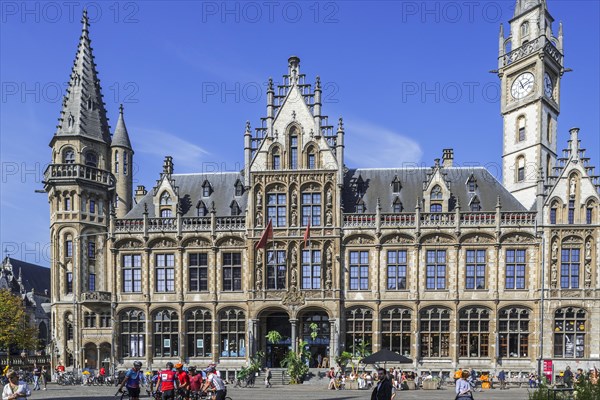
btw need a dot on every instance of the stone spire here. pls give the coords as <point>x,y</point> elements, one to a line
<point>525,5</point>
<point>83,111</point>
<point>120,136</point>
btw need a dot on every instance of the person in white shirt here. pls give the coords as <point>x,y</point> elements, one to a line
<point>15,389</point>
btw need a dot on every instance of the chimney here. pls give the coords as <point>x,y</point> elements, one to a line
<point>293,67</point>
<point>448,158</point>
<point>140,192</point>
<point>168,165</point>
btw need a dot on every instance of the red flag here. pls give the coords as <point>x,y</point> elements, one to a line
<point>267,234</point>
<point>307,234</point>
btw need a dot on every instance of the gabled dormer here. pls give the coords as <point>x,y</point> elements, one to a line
<point>239,188</point>
<point>436,191</point>
<point>201,209</point>
<point>166,193</point>
<point>397,206</point>
<point>471,184</point>
<point>235,208</point>
<point>207,189</point>
<point>396,185</point>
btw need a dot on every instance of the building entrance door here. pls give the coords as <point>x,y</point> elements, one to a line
<point>275,352</point>
<point>315,331</point>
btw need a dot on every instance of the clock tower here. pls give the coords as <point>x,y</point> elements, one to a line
<point>530,65</point>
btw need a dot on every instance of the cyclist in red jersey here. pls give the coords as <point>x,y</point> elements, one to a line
<point>195,380</point>
<point>183,379</point>
<point>167,382</point>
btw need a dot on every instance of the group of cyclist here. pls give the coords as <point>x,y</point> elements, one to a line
<point>174,382</point>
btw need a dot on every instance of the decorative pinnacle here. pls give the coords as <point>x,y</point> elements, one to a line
<point>318,83</point>
<point>248,129</point>
<point>270,86</point>
<point>340,124</point>
<point>121,109</point>
<point>85,21</point>
<point>498,204</point>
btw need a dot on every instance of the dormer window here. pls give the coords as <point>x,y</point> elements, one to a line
<point>475,204</point>
<point>311,158</point>
<point>201,208</point>
<point>166,213</point>
<point>69,156</point>
<point>435,199</point>
<point>276,159</point>
<point>235,208</point>
<point>436,193</point>
<point>165,199</point>
<point>239,188</point>
<point>396,185</point>
<point>360,207</point>
<point>206,189</point>
<point>397,205</point>
<point>91,159</point>
<point>472,184</point>
<point>360,186</point>
<point>165,205</point>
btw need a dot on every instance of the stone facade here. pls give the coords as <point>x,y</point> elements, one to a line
<point>443,264</point>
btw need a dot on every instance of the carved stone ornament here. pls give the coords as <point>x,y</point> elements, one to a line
<point>198,242</point>
<point>572,239</point>
<point>398,239</point>
<point>554,275</point>
<point>517,238</point>
<point>437,239</point>
<point>131,244</point>
<point>475,239</point>
<point>588,250</point>
<point>163,244</point>
<point>233,242</point>
<point>361,240</point>
<point>293,297</point>
<point>554,251</point>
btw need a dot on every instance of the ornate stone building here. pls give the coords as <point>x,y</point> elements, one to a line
<point>443,264</point>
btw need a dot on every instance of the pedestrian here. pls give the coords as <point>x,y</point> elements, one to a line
<point>319,360</point>
<point>44,377</point>
<point>331,376</point>
<point>36,377</point>
<point>463,388</point>
<point>502,379</point>
<point>268,376</point>
<point>383,389</point>
<point>568,377</point>
<point>15,389</point>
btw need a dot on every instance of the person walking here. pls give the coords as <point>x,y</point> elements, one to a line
<point>15,389</point>
<point>383,389</point>
<point>463,388</point>
<point>502,379</point>
<point>44,377</point>
<point>568,377</point>
<point>268,376</point>
<point>36,377</point>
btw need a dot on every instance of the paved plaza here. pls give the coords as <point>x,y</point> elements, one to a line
<point>288,392</point>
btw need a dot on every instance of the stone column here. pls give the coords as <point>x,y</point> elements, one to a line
<point>294,325</point>
<point>98,359</point>
<point>148,335</point>
<point>333,340</point>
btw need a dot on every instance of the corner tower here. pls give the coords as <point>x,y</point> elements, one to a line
<point>530,66</point>
<point>122,165</point>
<point>80,189</point>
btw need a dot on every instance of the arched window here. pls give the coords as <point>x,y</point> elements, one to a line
<point>475,204</point>
<point>513,332</point>
<point>525,29</point>
<point>553,212</point>
<point>132,324</point>
<point>474,332</point>
<point>396,331</point>
<point>359,331</point>
<point>232,323</point>
<point>69,156</point>
<point>521,136</point>
<point>311,161</point>
<point>569,332</point>
<point>276,269</point>
<point>276,159</point>
<point>435,332</point>
<point>69,326</point>
<point>548,166</point>
<point>520,169</point>
<point>116,161</point>
<point>165,205</point>
<point>436,193</point>
<point>199,333</point>
<point>166,334</point>
<point>91,159</point>
<point>125,162</point>
<point>293,148</point>
<point>589,212</point>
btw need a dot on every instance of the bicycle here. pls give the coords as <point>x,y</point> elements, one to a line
<point>210,395</point>
<point>124,394</point>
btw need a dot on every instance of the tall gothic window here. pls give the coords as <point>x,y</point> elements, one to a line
<point>116,162</point>
<point>311,209</point>
<point>571,214</point>
<point>474,332</point>
<point>359,330</point>
<point>311,269</point>
<point>311,158</point>
<point>165,272</point>
<point>553,215</point>
<point>475,278</point>
<point>125,163</point>
<point>276,159</point>
<point>549,128</point>
<point>569,332</point>
<point>359,270</point>
<point>436,270</point>
<point>569,268</point>
<point>515,268</point>
<point>520,169</point>
<point>293,152</point>
<point>396,269</point>
<point>199,333</point>
<point>166,333</point>
<point>525,28</point>
<point>513,332</point>
<point>276,269</point>
<point>589,213</point>
<point>435,332</point>
<point>232,271</point>
<point>232,323</point>
<point>69,282</point>
<point>396,331</point>
<point>277,208</point>
<point>133,333</point>
<point>132,273</point>
<point>198,272</point>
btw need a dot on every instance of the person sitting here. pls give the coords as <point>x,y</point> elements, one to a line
<point>15,389</point>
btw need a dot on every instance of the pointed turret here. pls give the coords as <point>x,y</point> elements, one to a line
<point>83,111</point>
<point>122,159</point>
<point>525,5</point>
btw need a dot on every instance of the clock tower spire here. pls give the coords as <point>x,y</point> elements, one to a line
<point>530,66</point>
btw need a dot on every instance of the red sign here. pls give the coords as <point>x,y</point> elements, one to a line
<point>548,370</point>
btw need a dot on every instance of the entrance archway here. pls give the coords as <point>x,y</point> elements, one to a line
<point>105,354</point>
<point>91,356</point>
<point>315,330</point>
<point>275,320</point>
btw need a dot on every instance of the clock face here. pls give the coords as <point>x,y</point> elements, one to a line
<point>548,86</point>
<point>522,86</point>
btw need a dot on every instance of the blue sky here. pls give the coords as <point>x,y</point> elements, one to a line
<point>410,78</point>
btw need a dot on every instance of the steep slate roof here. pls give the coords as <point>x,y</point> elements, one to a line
<point>190,194</point>
<point>120,136</point>
<point>77,117</point>
<point>378,184</point>
<point>33,276</point>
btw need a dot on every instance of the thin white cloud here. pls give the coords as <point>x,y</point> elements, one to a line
<point>371,146</point>
<point>160,143</point>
